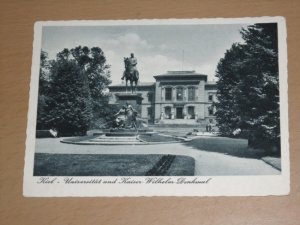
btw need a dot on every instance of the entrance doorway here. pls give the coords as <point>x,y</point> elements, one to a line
<point>179,113</point>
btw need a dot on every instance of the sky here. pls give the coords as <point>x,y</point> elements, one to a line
<point>158,48</point>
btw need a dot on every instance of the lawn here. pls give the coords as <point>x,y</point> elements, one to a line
<point>111,165</point>
<point>231,146</point>
<point>181,166</point>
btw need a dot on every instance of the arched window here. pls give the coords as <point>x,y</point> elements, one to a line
<point>179,94</point>
<point>191,94</point>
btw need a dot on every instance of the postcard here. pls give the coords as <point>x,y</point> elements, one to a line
<point>172,107</point>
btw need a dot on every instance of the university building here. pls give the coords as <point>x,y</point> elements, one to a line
<point>176,97</point>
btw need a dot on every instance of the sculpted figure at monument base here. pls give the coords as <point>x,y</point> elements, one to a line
<point>126,117</point>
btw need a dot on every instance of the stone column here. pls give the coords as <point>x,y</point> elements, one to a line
<point>184,111</point>
<point>172,113</point>
<point>196,93</point>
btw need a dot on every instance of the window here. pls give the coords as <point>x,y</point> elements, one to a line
<point>168,112</point>
<point>149,112</point>
<point>191,112</point>
<point>210,111</point>
<point>210,97</point>
<point>150,96</point>
<point>179,94</point>
<point>168,94</point>
<point>191,94</point>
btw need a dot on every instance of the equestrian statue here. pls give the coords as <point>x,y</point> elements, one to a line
<point>131,73</point>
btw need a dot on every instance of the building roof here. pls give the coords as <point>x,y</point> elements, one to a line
<point>181,74</point>
<point>211,83</point>
<point>176,76</point>
<point>140,84</point>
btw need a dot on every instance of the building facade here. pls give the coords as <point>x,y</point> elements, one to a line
<point>176,97</point>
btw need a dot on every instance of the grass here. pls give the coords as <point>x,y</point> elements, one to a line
<point>106,165</point>
<point>228,146</point>
<point>182,166</point>
<point>92,165</point>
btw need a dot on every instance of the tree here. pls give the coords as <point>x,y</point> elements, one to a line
<point>69,103</point>
<point>43,90</point>
<point>77,79</point>
<point>263,91</point>
<point>229,70</point>
<point>254,89</point>
<point>93,63</point>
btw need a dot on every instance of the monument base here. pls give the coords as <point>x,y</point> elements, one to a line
<point>133,99</point>
<point>123,132</point>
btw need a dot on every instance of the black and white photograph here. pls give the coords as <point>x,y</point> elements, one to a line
<point>179,107</point>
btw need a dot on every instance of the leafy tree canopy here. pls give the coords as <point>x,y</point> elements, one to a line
<point>248,85</point>
<point>72,91</point>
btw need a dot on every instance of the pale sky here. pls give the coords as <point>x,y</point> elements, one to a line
<point>158,48</point>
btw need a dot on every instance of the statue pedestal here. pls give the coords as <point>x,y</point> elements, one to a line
<point>133,99</point>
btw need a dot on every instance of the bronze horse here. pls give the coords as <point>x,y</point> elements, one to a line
<point>131,74</point>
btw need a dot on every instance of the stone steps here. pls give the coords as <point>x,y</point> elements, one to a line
<point>115,137</point>
<point>111,143</point>
<point>117,140</point>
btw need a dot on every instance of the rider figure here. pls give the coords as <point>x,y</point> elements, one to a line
<point>132,61</point>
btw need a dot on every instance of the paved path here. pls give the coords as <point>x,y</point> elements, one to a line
<point>206,163</point>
